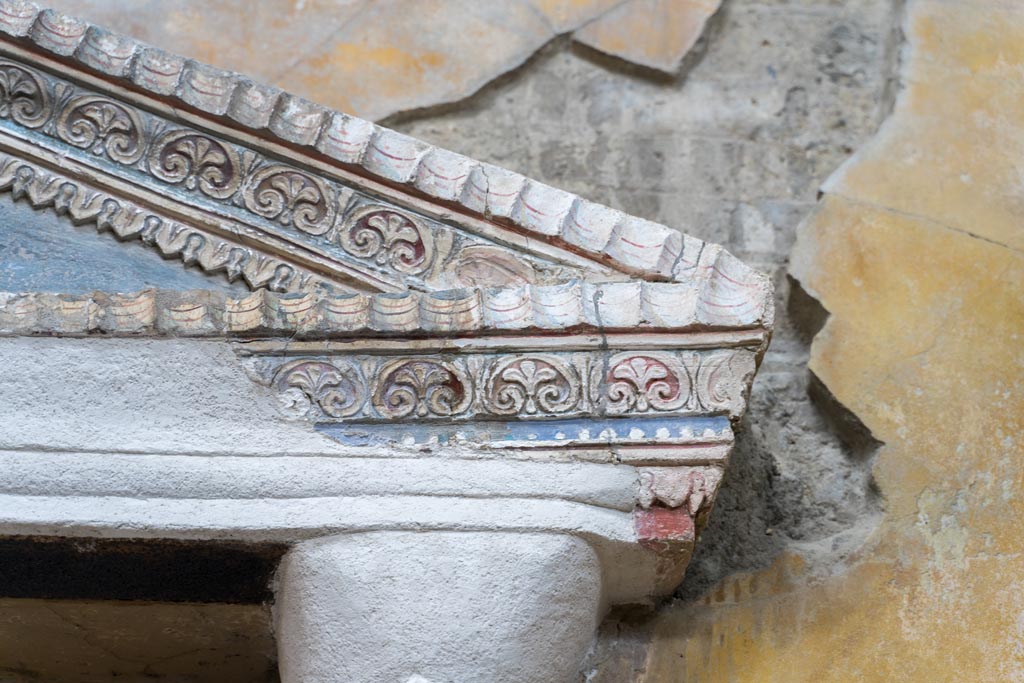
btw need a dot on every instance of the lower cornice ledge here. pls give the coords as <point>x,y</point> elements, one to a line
<point>482,508</point>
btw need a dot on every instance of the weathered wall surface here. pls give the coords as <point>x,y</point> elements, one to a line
<point>373,58</point>
<point>827,557</point>
<point>733,151</point>
<point>916,253</point>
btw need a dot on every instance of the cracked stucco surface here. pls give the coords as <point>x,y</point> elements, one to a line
<point>915,251</point>
<point>376,58</point>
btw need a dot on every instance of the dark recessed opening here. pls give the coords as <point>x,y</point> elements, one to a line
<point>137,569</point>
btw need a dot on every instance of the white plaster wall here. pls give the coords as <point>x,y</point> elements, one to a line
<point>140,396</point>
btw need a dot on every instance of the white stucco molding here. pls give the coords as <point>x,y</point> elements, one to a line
<point>443,371</point>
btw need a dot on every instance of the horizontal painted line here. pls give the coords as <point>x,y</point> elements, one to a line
<point>538,433</point>
<point>509,341</point>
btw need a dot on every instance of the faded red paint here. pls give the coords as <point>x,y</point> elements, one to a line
<point>660,528</point>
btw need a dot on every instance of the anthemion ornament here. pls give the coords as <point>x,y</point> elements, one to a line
<point>474,411</point>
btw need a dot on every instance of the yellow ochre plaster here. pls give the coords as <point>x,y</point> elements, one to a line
<point>917,252</point>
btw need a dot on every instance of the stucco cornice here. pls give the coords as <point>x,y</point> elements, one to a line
<point>340,162</point>
<point>406,304</point>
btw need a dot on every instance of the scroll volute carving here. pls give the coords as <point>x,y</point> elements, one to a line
<point>102,126</point>
<point>292,198</point>
<point>389,239</point>
<point>197,162</point>
<point>422,388</point>
<point>659,382</point>
<point>337,389</point>
<point>645,382</point>
<point>24,97</point>
<point>535,384</point>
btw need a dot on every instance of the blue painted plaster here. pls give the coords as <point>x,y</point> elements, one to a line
<point>43,252</point>
<point>547,432</point>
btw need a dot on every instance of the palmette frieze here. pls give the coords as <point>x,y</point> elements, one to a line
<point>24,95</point>
<point>666,382</point>
<point>208,173</point>
<point>389,238</point>
<point>510,385</point>
<point>103,127</point>
<point>601,233</point>
<point>527,385</point>
<point>422,387</point>
<point>198,162</point>
<point>292,198</point>
<point>338,390</point>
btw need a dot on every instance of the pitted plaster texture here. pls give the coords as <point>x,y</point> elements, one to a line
<point>139,396</point>
<point>472,608</point>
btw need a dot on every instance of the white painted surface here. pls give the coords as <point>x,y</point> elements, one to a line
<point>141,396</point>
<point>40,473</point>
<point>446,607</point>
<point>133,438</point>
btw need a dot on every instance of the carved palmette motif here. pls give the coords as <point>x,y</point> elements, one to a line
<point>292,198</point>
<point>24,98</point>
<point>197,162</point>
<point>642,383</point>
<point>337,389</point>
<point>423,388</point>
<point>102,126</point>
<point>401,241</point>
<point>529,385</point>
<point>388,238</point>
<point>663,382</point>
<point>532,384</point>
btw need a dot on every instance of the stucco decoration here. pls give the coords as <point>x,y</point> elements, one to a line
<point>429,344</point>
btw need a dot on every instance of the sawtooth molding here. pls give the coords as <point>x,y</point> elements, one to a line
<point>440,363</point>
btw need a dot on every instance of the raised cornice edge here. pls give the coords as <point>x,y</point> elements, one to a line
<point>574,306</point>
<point>497,196</point>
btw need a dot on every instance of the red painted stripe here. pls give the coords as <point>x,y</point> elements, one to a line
<point>735,282</point>
<point>392,156</point>
<point>639,246</point>
<point>205,92</point>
